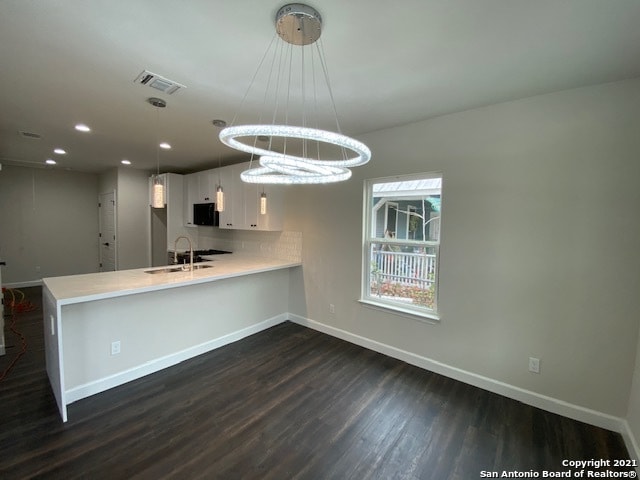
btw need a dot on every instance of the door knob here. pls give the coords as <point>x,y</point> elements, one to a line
<point>106,244</point>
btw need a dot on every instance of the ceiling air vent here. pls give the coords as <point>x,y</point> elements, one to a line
<point>35,136</point>
<point>159,83</point>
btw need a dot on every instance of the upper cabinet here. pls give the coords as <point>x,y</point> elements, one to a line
<point>200,188</point>
<point>206,187</point>
<point>242,202</point>
<point>232,217</point>
<point>268,218</point>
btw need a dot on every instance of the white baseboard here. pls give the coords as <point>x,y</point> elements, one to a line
<point>528,397</point>
<point>97,386</point>
<point>631,443</point>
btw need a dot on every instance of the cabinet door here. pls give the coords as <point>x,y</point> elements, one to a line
<point>237,197</point>
<point>251,206</point>
<point>229,187</point>
<point>271,220</point>
<point>191,197</point>
<point>242,200</point>
<point>206,187</point>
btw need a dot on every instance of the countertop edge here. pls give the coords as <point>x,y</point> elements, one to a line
<point>165,286</point>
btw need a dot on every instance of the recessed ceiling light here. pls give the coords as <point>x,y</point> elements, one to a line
<point>165,145</point>
<point>125,162</point>
<point>59,151</point>
<point>219,123</point>
<point>81,127</point>
<point>50,161</point>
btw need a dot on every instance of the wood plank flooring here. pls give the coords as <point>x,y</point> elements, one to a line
<point>287,403</point>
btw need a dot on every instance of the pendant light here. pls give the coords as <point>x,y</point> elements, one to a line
<point>263,203</point>
<point>219,192</point>
<point>219,198</point>
<point>295,154</point>
<point>158,192</point>
<point>158,184</point>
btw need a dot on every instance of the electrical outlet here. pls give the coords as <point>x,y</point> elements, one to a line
<point>534,365</point>
<point>332,308</point>
<point>115,347</point>
<point>38,268</point>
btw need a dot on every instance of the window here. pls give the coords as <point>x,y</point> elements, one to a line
<point>402,242</point>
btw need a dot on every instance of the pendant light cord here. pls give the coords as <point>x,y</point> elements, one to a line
<point>325,70</point>
<point>255,74</point>
<point>157,142</point>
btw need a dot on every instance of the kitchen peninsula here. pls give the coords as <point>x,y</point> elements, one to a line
<point>106,329</point>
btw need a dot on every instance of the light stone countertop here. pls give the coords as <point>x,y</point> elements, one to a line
<point>97,286</point>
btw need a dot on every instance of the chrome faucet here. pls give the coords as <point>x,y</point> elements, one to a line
<point>175,252</point>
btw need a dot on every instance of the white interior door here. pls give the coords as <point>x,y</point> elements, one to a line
<point>107,220</point>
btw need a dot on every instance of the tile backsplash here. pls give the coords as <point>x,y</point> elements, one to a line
<point>282,245</point>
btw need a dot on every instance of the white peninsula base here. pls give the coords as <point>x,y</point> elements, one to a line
<point>157,324</point>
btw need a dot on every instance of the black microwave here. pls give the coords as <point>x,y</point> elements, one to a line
<point>205,214</point>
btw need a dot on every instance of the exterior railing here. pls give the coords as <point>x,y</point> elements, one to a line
<point>414,269</point>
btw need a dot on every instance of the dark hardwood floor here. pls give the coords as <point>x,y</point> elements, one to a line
<point>286,403</point>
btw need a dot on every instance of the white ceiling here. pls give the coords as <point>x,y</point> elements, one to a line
<point>390,63</point>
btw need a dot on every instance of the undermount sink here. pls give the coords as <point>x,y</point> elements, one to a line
<point>164,270</point>
<point>176,269</point>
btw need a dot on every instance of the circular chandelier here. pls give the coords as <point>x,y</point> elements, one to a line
<point>286,158</point>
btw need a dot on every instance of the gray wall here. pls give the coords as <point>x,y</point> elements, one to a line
<point>540,239</point>
<point>133,216</point>
<point>134,219</point>
<point>48,223</point>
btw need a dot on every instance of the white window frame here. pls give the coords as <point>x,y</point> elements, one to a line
<point>394,306</point>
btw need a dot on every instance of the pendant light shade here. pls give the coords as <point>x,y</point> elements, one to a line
<point>263,204</point>
<point>158,192</point>
<point>219,199</point>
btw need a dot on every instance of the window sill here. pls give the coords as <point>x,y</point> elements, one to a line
<point>430,318</point>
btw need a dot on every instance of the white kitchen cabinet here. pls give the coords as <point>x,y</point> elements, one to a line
<point>190,194</point>
<point>232,217</point>
<point>200,188</point>
<point>242,202</point>
<point>272,219</point>
<point>206,187</point>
